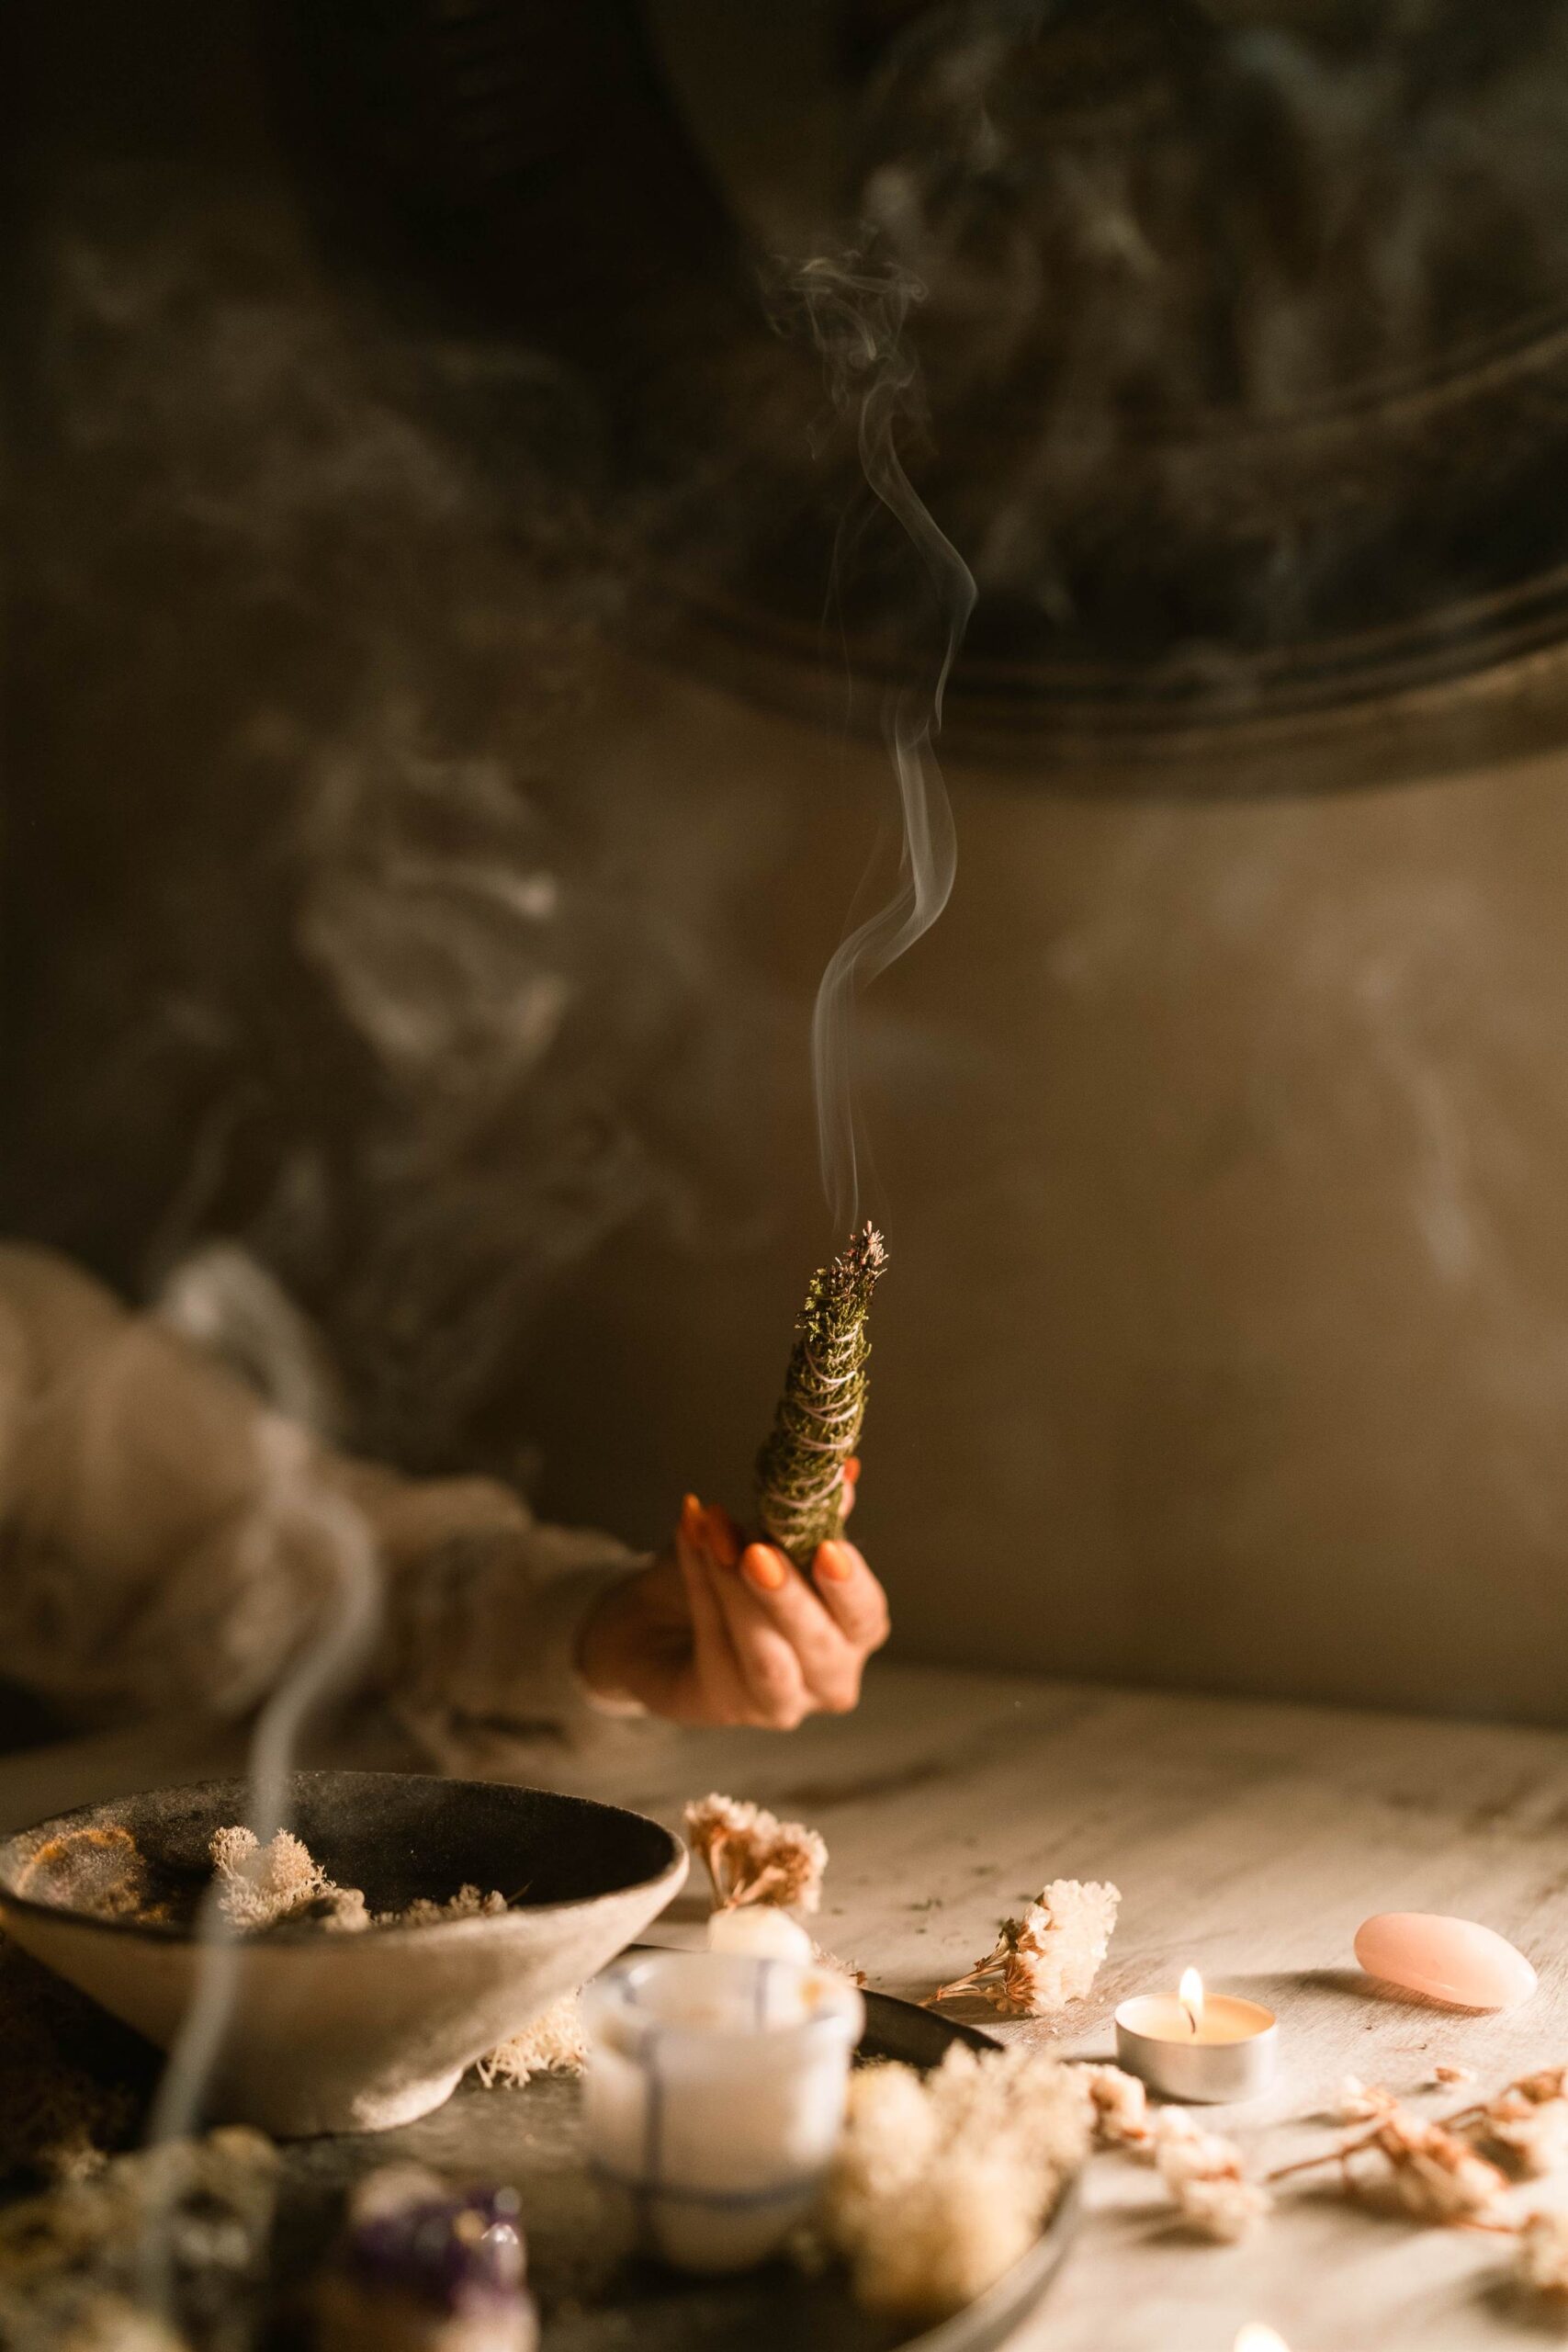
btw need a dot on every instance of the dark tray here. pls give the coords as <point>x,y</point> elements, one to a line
<point>593,2301</point>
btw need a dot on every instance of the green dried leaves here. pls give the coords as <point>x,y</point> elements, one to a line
<point>817,1428</point>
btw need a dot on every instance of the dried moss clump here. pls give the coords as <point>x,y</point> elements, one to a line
<point>195,2216</point>
<point>800,1469</point>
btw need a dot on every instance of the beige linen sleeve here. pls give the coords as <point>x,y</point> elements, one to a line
<point>160,1548</point>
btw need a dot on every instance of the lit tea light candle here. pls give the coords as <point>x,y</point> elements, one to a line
<point>1256,2337</point>
<point>1195,2045</point>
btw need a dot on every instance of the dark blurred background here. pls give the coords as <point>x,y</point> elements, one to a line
<point>446,632</point>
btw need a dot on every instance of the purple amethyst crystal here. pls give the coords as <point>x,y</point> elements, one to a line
<point>450,2253</point>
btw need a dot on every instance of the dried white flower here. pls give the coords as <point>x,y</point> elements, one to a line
<point>1224,2205</point>
<point>1205,2175</point>
<point>1532,2134</point>
<point>1119,2106</point>
<point>1541,2254</point>
<point>1359,2102</point>
<point>1049,1957</point>
<point>752,1857</point>
<point>1546,2083</point>
<point>942,2182</point>
<point>554,2044</point>
<point>1436,2175</point>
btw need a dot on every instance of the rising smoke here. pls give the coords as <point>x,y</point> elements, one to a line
<point>292,1500</point>
<point>855,305</point>
<point>357,986</point>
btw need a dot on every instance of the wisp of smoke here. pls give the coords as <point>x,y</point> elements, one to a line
<point>856,306</point>
<point>326,1663</point>
<point>291,1492</point>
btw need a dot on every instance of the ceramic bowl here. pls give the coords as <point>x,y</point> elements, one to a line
<point>344,2032</point>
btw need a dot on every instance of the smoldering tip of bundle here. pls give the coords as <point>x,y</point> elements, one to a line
<point>817,1428</point>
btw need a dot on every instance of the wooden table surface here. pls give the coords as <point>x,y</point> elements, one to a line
<point>1248,1839</point>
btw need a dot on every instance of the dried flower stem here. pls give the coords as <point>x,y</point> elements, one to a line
<point>817,1428</point>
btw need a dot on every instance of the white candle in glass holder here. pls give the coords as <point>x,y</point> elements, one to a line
<point>1197,2046</point>
<point>714,2098</point>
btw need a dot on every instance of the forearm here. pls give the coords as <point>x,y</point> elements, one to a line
<point>175,1543</point>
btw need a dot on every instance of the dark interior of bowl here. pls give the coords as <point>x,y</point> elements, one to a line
<point>142,1861</point>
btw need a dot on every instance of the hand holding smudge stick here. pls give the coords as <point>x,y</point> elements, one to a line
<point>800,1470</point>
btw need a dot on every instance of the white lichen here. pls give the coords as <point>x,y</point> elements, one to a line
<point>554,2044</point>
<point>278,1884</point>
<point>942,2182</point>
<point>281,1884</point>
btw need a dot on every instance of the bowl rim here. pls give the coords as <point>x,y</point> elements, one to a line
<point>303,1938</point>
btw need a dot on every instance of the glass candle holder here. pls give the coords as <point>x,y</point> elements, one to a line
<point>714,2098</point>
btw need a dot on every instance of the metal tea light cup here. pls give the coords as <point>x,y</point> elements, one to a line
<point>1234,2057</point>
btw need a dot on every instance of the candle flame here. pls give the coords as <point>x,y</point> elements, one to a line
<point>1256,2337</point>
<point>1190,1995</point>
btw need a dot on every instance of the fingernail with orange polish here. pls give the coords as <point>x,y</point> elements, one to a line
<point>834,1562</point>
<point>765,1568</point>
<point>852,1468</point>
<point>722,1539</point>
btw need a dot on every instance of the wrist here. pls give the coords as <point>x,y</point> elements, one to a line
<point>606,1649</point>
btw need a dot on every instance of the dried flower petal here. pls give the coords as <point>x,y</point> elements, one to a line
<point>1222,2206</point>
<point>1436,2175</point>
<point>1119,2106</point>
<point>1547,2082</point>
<point>1049,1957</point>
<point>1205,2176</point>
<point>1533,2135</point>
<point>1445,2072</point>
<point>1541,2257</point>
<point>1359,2102</point>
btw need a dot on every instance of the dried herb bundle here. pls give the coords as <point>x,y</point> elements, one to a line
<point>817,1428</point>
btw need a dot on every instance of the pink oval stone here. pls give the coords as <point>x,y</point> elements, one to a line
<point>1448,1960</point>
